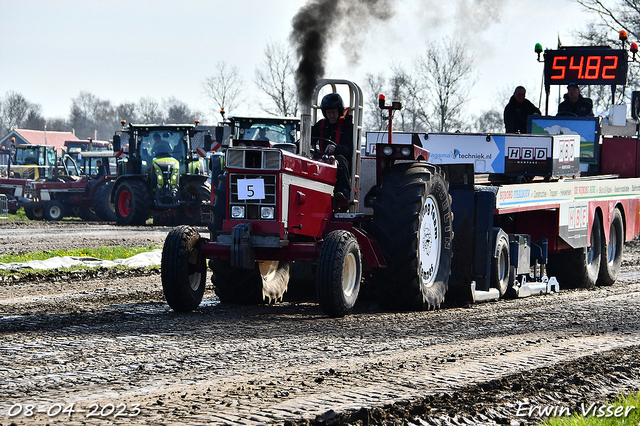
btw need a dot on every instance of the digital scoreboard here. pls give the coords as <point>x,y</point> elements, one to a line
<point>585,66</point>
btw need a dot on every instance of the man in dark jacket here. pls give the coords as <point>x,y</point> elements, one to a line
<point>574,103</point>
<point>338,128</point>
<point>517,111</point>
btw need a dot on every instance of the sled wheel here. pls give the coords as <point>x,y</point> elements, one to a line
<point>183,270</point>
<point>611,257</point>
<point>500,266</point>
<point>412,223</point>
<point>579,268</point>
<point>54,210</point>
<point>339,273</point>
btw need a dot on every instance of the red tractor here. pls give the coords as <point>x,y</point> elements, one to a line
<point>275,206</point>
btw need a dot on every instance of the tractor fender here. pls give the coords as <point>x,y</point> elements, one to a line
<point>194,178</point>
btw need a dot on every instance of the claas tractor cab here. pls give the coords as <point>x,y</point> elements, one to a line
<point>33,162</point>
<point>160,175</point>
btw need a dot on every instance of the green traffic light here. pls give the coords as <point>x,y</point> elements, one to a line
<point>538,48</point>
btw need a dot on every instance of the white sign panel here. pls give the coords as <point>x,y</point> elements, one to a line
<point>251,189</point>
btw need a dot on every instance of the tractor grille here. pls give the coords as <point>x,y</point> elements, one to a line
<point>30,190</point>
<point>264,159</point>
<point>253,206</point>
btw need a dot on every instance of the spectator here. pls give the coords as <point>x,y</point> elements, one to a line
<point>517,111</point>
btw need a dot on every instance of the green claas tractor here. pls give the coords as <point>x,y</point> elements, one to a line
<point>161,175</point>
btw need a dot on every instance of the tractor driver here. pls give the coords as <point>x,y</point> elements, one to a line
<point>161,147</point>
<point>337,127</point>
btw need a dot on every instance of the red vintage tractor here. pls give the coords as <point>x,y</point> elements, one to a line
<point>275,206</point>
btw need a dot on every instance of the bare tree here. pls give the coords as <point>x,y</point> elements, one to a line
<point>445,77</point>
<point>34,119</point>
<point>149,111</point>
<point>224,88</point>
<point>92,117</point>
<point>276,78</point>
<point>605,32</point>
<point>58,124</point>
<point>127,111</point>
<point>413,117</point>
<point>14,111</point>
<point>490,121</point>
<point>178,112</point>
<point>375,87</point>
<point>617,15</point>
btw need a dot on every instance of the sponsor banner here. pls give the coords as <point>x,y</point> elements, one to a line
<point>488,153</point>
<point>532,194</point>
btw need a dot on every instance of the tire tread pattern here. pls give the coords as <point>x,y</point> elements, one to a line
<point>396,224</point>
<point>335,249</point>
<point>176,269</point>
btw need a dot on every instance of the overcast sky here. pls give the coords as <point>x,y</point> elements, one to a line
<point>123,50</point>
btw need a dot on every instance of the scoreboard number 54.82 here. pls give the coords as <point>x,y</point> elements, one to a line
<point>250,189</point>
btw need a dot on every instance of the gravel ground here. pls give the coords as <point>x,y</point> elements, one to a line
<point>106,342</point>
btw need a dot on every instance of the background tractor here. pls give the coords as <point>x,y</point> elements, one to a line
<point>160,175</point>
<point>33,162</point>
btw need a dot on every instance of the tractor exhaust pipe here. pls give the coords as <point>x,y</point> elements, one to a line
<point>305,131</point>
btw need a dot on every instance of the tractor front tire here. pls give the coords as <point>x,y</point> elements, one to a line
<point>412,223</point>
<point>132,203</point>
<point>183,269</point>
<point>267,283</point>
<point>54,210</point>
<point>339,273</point>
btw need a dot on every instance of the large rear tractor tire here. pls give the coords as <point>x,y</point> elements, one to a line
<point>267,283</point>
<point>339,273</point>
<point>54,210</point>
<point>579,268</point>
<point>412,223</point>
<point>34,213</point>
<point>184,271</point>
<point>86,214</point>
<point>198,197</point>
<point>132,203</point>
<point>102,204</point>
<point>611,258</point>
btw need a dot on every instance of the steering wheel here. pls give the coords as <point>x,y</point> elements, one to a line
<point>315,147</point>
<point>566,113</point>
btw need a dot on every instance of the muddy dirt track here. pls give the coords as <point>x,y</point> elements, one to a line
<point>103,348</point>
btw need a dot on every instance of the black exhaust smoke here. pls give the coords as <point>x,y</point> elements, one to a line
<point>318,22</point>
